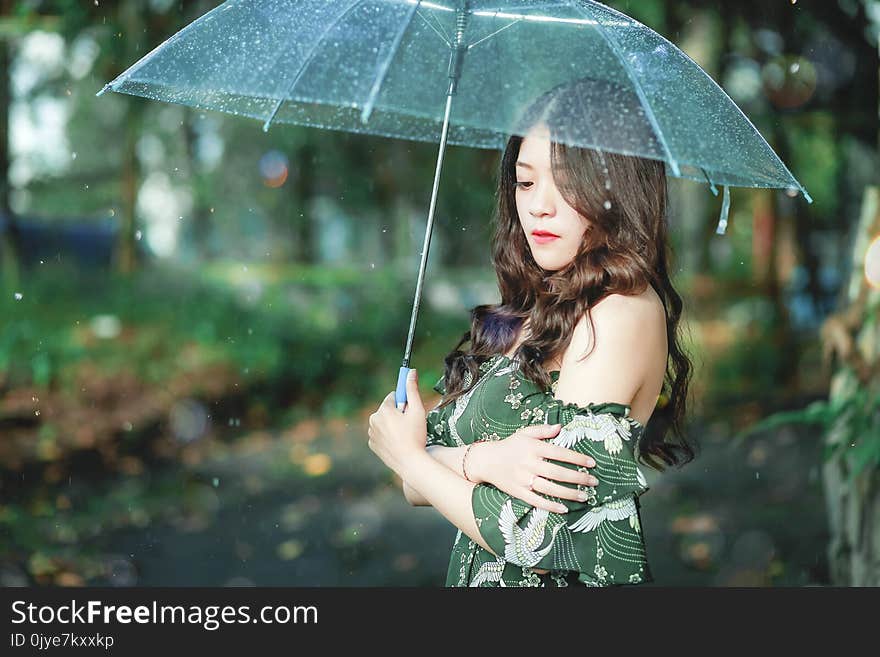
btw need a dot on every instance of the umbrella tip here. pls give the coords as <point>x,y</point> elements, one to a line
<point>807,195</point>
<point>105,88</point>
<point>725,212</point>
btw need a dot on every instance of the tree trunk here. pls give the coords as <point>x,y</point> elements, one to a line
<point>200,221</point>
<point>126,254</point>
<point>854,511</point>
<point>302,191</point>
<point>9,242</point>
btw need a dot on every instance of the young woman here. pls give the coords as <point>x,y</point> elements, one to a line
<point>532,452</point>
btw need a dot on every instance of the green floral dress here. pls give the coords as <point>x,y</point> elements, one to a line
<point>598,542</point>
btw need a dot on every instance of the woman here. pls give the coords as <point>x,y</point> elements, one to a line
<point>532,452</point>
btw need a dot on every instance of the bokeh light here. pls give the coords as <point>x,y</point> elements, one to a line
<point>273,168</point>
<point>789,81</point>
<point>188,420</point>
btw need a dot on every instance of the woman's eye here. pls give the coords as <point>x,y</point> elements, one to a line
<point>521,184</point>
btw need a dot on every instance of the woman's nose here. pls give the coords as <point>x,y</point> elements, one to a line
<point>542,200</point>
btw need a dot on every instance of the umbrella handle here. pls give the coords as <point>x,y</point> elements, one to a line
<point>400,393</point>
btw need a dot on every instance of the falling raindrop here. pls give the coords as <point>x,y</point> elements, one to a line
<point>216,482</point>
<point>607,205</point>
<point>18,296</point>
<point>73,155</point>
<point>138,235</point>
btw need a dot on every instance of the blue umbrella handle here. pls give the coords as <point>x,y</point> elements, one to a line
<point>400,393</point>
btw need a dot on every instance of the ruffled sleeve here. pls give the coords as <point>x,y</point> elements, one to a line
<point>438,429</point>
<point>600,538</point>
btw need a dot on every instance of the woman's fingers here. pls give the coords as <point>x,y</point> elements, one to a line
<point>548,487</point>
<point>558,453</point>
<point>560,473</point>
<point>535,500</point>
<point>540,431</point>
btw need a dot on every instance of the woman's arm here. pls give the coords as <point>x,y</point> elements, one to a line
<point>448,456</point>
<point>446,491</point>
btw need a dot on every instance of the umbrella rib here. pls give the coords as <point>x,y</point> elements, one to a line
<point>308,60</point>
<point>709,180</point>
<point>442,35</point>
<point>501,10</point>
<point>518,20</point>
<point>589,125</point>
<point>612,44</point>
<point>383,69</point>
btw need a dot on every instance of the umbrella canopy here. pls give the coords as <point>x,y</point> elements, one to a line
<point>381,67</point>
<point>596,77</point>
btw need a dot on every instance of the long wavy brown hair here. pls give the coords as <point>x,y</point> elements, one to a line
<point>625,249</point>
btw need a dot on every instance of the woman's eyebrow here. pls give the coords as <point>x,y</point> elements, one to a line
<point>527,165</point>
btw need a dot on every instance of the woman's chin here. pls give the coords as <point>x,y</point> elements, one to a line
<point>549,265</point>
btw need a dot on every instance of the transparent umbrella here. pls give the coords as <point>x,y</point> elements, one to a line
<point>394,67</point>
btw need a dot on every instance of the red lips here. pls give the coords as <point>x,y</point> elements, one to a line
<point>543,233</point>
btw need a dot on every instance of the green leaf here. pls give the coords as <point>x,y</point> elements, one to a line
<point>818,412</point>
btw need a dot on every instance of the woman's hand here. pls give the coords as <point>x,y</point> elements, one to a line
<point>510,464</point>
<point>395,436</point>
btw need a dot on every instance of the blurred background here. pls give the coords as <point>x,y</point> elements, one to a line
<point>198,317</point>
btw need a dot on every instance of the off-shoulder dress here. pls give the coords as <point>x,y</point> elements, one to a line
<point>599,542</point>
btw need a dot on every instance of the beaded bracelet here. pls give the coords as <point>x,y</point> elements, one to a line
<point>464,459</point>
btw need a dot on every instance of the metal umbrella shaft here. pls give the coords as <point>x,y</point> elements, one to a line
<point>456,61</point>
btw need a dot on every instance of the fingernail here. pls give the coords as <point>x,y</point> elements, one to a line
<point>562,509</point>
<point>411,375</point>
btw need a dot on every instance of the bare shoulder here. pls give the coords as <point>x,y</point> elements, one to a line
<point>623,316</point>
<point>612,362</point>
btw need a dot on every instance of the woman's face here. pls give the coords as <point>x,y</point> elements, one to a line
<point>541,207</point>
